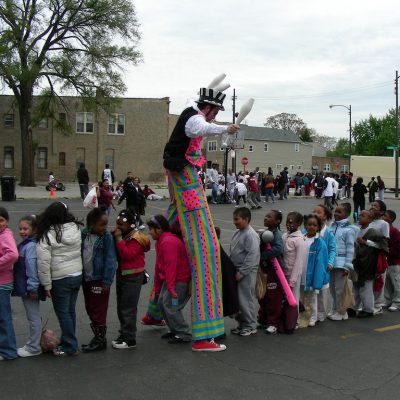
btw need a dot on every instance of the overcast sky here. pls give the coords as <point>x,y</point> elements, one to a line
<point>291,56</point>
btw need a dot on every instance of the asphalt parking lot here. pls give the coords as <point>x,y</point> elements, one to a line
<point>354,359</point>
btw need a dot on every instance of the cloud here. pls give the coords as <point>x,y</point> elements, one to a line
<point>290,56</point>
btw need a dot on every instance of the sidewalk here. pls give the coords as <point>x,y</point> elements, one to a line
<point>71,191</point>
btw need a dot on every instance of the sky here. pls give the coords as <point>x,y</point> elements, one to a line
<point>291,56</point>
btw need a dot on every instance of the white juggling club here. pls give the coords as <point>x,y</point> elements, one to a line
<point>216,81</point>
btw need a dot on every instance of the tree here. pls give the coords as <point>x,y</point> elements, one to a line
<point>52,46</point>
<point>286,121</point>
<point>306,134</point>
<point>372,136</point>
<point>329,142</point>
<point>341,148</point>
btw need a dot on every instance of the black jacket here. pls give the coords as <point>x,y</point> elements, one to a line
<point>82,175</point>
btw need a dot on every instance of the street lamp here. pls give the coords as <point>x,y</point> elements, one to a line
<point>349,109</point>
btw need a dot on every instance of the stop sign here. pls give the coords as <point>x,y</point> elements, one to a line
<point>244,161</point>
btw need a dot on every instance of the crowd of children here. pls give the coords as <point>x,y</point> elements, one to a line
<point>317,269</point>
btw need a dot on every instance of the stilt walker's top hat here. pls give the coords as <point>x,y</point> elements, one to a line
<point>212,96</point>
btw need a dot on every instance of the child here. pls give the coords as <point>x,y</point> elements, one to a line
<point>323,299</point>
<point>245,255</point>
<point>171,279</point>
<point>26,285</point>
<point>392,284</point>
<point>8,256</point>
<point>60,269</point>
<point>293,250</point>
<point>241,192</point>
<point>271,305</point>
<point>131,246</point>
<point>368,244</point>
<point>99,265</point>
<point>378,208</point>
<point>315,260</point>
<point>344,242</point>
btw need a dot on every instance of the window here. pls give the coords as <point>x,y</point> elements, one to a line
<point>344,169</point>
<point>251,148</point>
<point>43,123</point>
<point>327,167</point>
<point>266,147</point>
<point>62,117</point>
<point>291,167</point>
<point>299,166</point>
<point>42,158</point>
<point>61,159</point>
<point>279,167</point>
<point>8,120</point>
<point>84,122</point>
<point>116,124</point>
<point>296,147</point>
<point>8,157</point>
<point>212,145</point>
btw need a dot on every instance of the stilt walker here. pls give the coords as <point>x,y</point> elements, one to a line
<point>189,208</point>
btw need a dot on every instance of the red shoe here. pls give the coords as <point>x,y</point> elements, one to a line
<point>207,345</point>
<point>146,320</point>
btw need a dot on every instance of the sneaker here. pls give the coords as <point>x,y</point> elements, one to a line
<point>311,323</point>
<point>271,330</point>
<point>122,344</point>
<point>207,345</point>
<point>146,320</point>
<point>59,352</point>
<point>351,312</point>
<point>393,308</point>
<point>338,317</point>
<point>118,339</point>
<point>168,335</point>
<point>364,314</point>
<point>178,339</point>
<point>24,352</point>
<point>378,311</point>
<point>1,358</point>
<point>247,332</point>
<point>236,331</point>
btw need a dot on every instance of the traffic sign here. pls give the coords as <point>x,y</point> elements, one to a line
<point>244,161</point>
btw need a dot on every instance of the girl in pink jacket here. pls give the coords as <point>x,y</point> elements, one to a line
<point>293,252</point>
<point>8,256</point>
<point>171,279</point>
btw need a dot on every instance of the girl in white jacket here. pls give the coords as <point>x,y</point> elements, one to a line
<point>60,269</point>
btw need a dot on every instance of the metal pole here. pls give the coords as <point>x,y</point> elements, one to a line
<point>233,121</point>
<point>350,139</point>
<point>396,151</point>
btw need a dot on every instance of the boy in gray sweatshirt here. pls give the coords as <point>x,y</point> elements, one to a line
<point>245,255</point>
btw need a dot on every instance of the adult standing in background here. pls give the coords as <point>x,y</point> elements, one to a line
<point>108,175</point>
<point>213,178</point>
<point>284,181</point>
<point>359,191</point>
<point>372,188</point>
<point>83,180</point>
<point>381,188</point>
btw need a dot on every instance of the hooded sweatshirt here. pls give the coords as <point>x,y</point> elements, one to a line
<point>59,260</point>
<point>8,256</point>
<point>293,254</point>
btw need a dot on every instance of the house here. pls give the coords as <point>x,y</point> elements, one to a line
<point>131,138</point>
<point>263,147</point>
<point>335,165</point>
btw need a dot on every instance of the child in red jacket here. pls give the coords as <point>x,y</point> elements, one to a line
<point>130,245</point>
<point>171,279</point>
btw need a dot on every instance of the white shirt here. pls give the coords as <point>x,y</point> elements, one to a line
<point>328,192</point>
<point>241,187</point>
<point>198,126</point>
<point>213,175</point>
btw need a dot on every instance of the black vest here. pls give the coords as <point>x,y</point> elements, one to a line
<point>179,142</point>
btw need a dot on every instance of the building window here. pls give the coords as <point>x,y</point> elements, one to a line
<point>296,147</point>
<point>42,158</point>
<point>291,167</point>
<point>278,167</point>
<point>251,148</point>
<point>8,120</point>
<point>61,159</point>
<point>327,167</point>
<point>116,124</point>
<point>43,123</point>
<point>266,147</point>
<point>299,166</point>
<point>62,117</point>
<point>84,122</point>
<point>212,145</point>
<point>344,169</point>
<point>8,157</point>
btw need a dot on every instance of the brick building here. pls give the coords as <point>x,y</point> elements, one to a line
<point>130,139</point>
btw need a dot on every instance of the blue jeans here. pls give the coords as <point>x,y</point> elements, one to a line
<point>269,193</point>
<point>8,346</point>
<point>214,192</point>
<point>64,294</point>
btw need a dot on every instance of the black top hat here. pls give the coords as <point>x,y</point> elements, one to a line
<point>213,97</point>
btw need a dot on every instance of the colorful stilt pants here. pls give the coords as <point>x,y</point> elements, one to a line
<point>189,208</point>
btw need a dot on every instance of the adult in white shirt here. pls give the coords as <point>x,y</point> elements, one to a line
<point>213,178</point>
<point>328,190</point>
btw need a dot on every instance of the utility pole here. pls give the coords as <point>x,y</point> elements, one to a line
<point>396,146</point>
<point>234,97</point>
